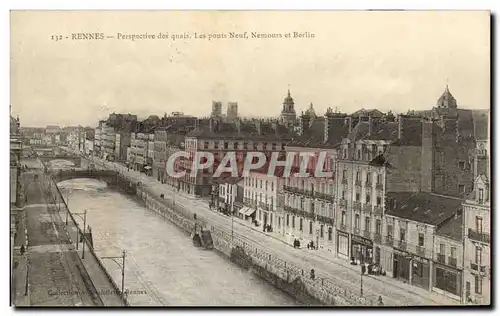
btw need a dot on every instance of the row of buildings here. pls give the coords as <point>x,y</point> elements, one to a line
<point>409,192</point>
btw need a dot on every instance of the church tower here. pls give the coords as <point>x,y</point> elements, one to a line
<point>288,115</point>
<point>447,100</point>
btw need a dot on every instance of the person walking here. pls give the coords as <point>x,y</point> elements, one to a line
<point>380,301</point>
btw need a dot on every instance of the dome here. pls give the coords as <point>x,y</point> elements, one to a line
<point>288,99</point>
<point>310,111</point>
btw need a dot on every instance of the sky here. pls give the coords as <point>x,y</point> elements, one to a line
<point>356,59</point>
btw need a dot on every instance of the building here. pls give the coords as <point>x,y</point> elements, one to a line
<point>477,243</point>
<point>414,224</point>
<point>15,161</point>
<point>230,194</point>
<point>216,109</point>
<point>232,111</point>
<point>261,198</point>
<point>308,203</point>
<point>220,138</point>
<point>288,116</point>
<point>52,129</point>
<point>160,155</point>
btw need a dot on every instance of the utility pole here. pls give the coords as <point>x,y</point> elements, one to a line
<point>232,221</point>
<point>122,267</point>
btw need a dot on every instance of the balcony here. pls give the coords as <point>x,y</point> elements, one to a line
<point>343,203</point>
<point>356,231</point>
<point>324,196</point>
<point>441,258</point>
<point>420,251</point>
<point>326,220</point>
<point>402,245</point>
<point>367,208</point>
<point>389,241</point>
<point>452,261</point>
<point>378,210</point>
<point>309,193</point>
<point>344,181</point>
<point>367,234</point>
<point>479,236</point>
<point>377,238</point>
<point>264,206</point>
<point>379,186</point>
<point>368,183</point>
<point>356,205</point>
<point>357,183</point>
<point>343,227</point>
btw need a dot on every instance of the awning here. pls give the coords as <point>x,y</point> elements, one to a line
<point>147,167</point>
<point>243,210</point>
<point>249,211</point>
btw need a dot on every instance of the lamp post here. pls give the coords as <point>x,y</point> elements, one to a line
<point>84,228</point>
<point>122,267</point>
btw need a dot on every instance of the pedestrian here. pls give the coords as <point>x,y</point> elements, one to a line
<point>380,301</point>
<point>22,250</point>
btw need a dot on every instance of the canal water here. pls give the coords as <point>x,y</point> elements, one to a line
<point>162,265</point>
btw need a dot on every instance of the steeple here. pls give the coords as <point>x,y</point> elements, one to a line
<point>288,114</point>
<point>447,100</point>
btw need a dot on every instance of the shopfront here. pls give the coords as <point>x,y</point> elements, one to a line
<point>361,249</point>
<point>343,244</point>
<point>401,265</point>
<point>447,279</point>
<point>420,268</point>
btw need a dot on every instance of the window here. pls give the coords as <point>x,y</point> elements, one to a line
<point>359,154</point>
<point>461,189</point>
<point>274,146</point>
<point>461,165</point>
<point>367,224</point>
<point>378,226</point>
<point>344,175</point>
<point>402,234</point>
<point>343,195</point>
<point>343,218</point>
<point>420,240</point>
<point>453,251</point>
<point>310,227</point>
<point>226,145</point>
<point>288,220</point>
<point>479,254</point>
<point>379,178</point>
<point>330,234</point>
<point>293,221</point>
<point>389,231</point>
<point>368,199</point>
<point>261,184</point>
<point>235,146</point>
<point>266,185</point>
<point>478,284</point>
<point>321,231</point>
<point>379,201</point>
<point>300,224</point>
<point>357,176</point>
<point>357,197</point>
<point>255,147</point>
<point>442,249</point>
<point>374,149</point>
<point>479,224</point>
<point>356,221</point>
<point>264,146</point>
<point>345,153</point>
<point>282,146</point>
<point>272,186</point>
<point>481,195</point>
<point>206,145</point>
<point>368,179</point>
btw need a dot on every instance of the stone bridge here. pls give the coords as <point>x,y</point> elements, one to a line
<point>76,160</point>
<point>108,176</point>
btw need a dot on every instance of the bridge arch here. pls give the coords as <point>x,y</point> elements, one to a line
<point>107,176</point>
<point>76,160</point>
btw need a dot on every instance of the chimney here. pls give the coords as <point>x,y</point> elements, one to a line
<point>350,124</point>
<point>257,126</point>
<point>370,125</point>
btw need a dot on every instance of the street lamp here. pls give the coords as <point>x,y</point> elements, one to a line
<point>122,267</point>
<point>84,228</point>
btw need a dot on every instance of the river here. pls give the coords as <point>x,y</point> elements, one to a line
<point>162,265</point>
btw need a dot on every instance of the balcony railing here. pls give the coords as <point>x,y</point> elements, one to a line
<point>389,241</point>
<point>264,206</point>
<point>356,205</point>
<point>367,234</point>
<point>441,258</point>
<point>356,231</point>
<point>474,266</point>
<point>344,181</point>
<point>357,183</point>
<point>479,236</point>
<point>342,202</point>
<point>324,196</point>
<point>367,208</point>
<point>402,244</point>
<point>299,212</point>
<point>379,186</point>
<point>325,219</point>
<point>377,238</point>
<point>377,210</point>
<point>343,227</point>
<point>452,261</point>
<point>368,183</point>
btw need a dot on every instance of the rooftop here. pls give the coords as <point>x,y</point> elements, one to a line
<point>422,207</point>
<point>452,228</point>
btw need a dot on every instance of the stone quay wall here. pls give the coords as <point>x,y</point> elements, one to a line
<point>289,277</point>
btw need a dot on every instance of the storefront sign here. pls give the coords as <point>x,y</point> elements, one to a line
<point>341,233</point>
<point>361,240</point>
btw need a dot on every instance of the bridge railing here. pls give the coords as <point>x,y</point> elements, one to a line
<point>111,293</point>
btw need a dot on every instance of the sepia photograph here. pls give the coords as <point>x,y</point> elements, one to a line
<point>250,158</point>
